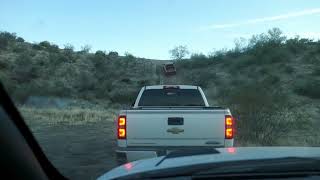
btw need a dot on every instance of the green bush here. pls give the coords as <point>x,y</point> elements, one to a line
<point>312,57</point>
<point>297,45</point>
<point>288,69</point>
<point>45,44</point>
<point>143,82</point>
<point>123,95</point>
<point>186,64</point>
<point>48,46</point>
<point>308,88</point>
<point>5,39</point>
<point>316,71</point>
<point>274,55</point>
<point>198,57</point>
<point>271,80</point>
<point>24,69</point>
<point>265,70</point>
<point>24,90</point>
<point>128,56</point>
<point>20,39</point>
<point>201,77</point>
<point>263,116</point>
<point>3,64</point>
<point>20,48</point>
<point>100,54</point>
<point>36,47</point>
<point>126,80</point>
<point>113,54</point>
<point>3,44</point>
<point>199,63</point>
<point>240,63</point>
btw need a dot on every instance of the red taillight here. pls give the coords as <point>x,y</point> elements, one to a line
<point>122,127</point>
<point>229,127</point>
<point>122,121</point>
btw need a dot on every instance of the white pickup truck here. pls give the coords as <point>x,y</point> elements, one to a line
<point>165,118</point>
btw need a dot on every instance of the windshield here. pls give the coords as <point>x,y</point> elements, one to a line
<point>171,97</point>
<point>74,68</point>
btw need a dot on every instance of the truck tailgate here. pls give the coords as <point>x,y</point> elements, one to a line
<point>175,127</point>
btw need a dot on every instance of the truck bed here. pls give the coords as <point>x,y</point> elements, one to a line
<point>175,126</point>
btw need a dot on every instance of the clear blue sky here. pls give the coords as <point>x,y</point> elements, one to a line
<point>149,28</point>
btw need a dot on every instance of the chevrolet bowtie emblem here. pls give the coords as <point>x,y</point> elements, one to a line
<point>175,130</point>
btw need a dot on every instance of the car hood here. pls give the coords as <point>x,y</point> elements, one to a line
<point>224,155</point>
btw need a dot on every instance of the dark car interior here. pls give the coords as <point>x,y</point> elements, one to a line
<point>21,155</point>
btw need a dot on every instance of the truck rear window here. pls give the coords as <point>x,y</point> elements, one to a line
<point>171,97</point>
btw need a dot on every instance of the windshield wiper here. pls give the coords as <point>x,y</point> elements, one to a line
<point>188,152</point>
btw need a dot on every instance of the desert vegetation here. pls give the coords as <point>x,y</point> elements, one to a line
<point>270,82</point>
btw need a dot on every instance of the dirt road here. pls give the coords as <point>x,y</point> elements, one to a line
<point>79,151</point>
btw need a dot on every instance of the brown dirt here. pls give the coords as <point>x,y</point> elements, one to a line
<point>83,151</point>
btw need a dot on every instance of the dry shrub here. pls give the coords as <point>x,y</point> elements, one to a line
<point>263,116</point>
<point>76,116</point>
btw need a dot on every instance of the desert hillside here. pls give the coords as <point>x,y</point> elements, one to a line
<point>271,84</point>
<point>268,78</point>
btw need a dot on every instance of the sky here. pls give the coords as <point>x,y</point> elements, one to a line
<point>150,28</point>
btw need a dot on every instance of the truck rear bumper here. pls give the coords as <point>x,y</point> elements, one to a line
<point>129,154</point>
